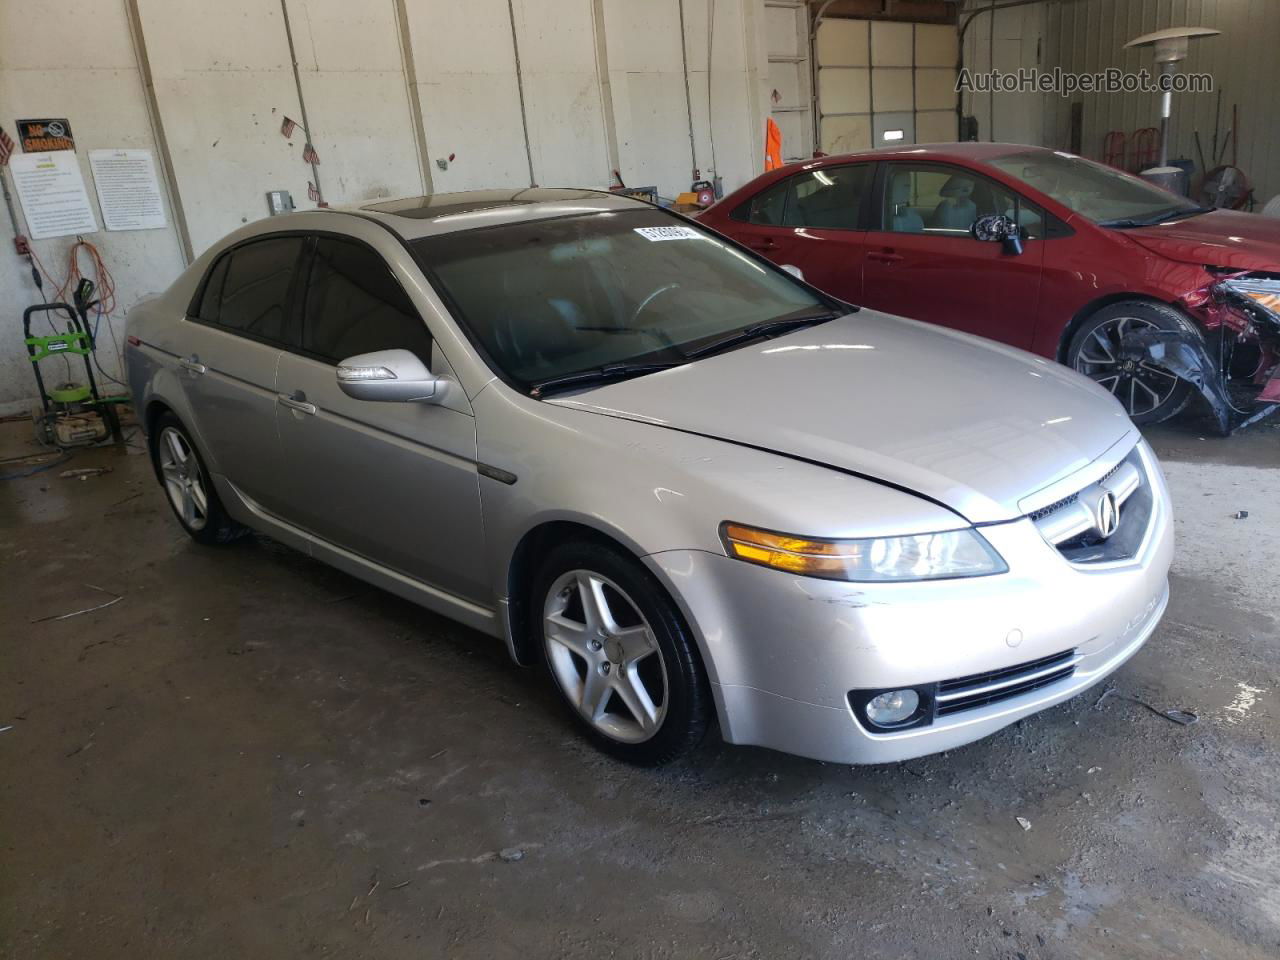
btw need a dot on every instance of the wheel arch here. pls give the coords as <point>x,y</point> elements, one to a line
<point>1099,303</point>
<point>156,408</point>
<point>523,566</point>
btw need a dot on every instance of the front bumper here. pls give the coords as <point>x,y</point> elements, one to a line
<point>783,652</point>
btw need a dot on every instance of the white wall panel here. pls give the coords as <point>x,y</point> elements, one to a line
<point>223,81</point>
<point>466,72</point>
<point>843,43</point>
<point>562,92</point>
<point>846,134</point>
<point>936,45</point>
<point>891,44</point>
<point>647,86</point>
<point>353,81</point>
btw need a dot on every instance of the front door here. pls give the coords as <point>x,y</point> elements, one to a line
<point>395,483</point>
<point>922,263</point>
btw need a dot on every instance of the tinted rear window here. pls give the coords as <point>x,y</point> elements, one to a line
<point>255,292</point>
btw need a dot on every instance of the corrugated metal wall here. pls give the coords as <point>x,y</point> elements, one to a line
<point>1089,35</point>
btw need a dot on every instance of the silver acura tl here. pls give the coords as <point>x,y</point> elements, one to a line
<point>688,483</point>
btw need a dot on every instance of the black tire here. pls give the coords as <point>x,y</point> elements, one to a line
<point>1133,386</point>
<point>686,708</point>
<point>215,526</point>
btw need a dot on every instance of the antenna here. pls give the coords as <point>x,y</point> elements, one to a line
<point>1171,45</point>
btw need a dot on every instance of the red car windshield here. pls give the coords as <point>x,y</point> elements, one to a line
<point>1105,195</point>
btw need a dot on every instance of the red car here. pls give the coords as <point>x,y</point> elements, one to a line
<point>1147,293</point>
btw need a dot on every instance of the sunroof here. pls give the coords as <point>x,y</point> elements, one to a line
<point>449,204</point>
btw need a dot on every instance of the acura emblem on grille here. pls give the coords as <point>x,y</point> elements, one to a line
<point>1106,513</point>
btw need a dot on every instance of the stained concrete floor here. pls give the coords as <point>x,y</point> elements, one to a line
<point>251,755</point>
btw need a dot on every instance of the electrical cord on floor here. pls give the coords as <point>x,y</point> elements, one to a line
<point>63,458</point>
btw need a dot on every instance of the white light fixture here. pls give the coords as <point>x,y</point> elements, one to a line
<point>893,135</point>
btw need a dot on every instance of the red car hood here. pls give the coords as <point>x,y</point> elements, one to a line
<point>1223,238</point>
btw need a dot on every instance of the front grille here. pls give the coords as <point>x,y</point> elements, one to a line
<point>1070,525</point>
<point>1038,515</point>
<point>980,689</point>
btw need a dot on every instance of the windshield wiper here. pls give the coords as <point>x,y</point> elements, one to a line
<point>601,374</point>
<point>769,328</point>
<point>1126,223</point>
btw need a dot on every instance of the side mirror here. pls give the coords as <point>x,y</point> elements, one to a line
<point>390,376</point>
<point>795,271</point>
<point>1000,229</point>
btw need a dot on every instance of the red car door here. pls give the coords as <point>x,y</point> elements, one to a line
<point>921,261</point>
<point>815,220</point>
<point>828,210</point>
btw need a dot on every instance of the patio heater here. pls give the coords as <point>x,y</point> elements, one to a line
<point>1171,46</point>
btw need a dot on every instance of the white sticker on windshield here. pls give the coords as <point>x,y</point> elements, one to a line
<point>668,233</point>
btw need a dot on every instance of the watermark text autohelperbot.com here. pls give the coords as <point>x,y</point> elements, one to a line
<point>1064,83</point>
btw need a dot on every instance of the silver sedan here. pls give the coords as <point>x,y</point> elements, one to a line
<point>689,484</point>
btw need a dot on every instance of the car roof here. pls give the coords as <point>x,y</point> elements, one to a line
<point>439,213</point>
<point>971,152</point>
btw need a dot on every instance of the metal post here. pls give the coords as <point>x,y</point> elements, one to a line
<point>1167,69</point>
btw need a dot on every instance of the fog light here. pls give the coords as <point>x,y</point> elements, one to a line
<point>892,707</point>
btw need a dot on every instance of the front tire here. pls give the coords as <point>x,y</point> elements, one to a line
<point>1148,393</point>
<point>188,486</point>
<point>619,654</point>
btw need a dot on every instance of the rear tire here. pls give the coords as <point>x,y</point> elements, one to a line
<point>619,654</point>
<point>188,486</point>
<point>1148,393</point>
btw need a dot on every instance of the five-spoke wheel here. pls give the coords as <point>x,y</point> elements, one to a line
<point>182,477</point>
<point>187,484</point>
<point>604,656</point>
<point>619,653</point>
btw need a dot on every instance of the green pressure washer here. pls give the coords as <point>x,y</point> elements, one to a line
<point>74,414</point>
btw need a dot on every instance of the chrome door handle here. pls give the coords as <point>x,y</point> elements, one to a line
<point>296,404</point>
<point>192,365</point>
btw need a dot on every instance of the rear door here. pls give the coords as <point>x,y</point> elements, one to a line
<point>758,223</point>
<point>237,326</point>
<point>395,483</point>
<point>815,220</point>
<point>921,261</point>
<point>828,211</point>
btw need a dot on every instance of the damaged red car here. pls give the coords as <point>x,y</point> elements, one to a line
<point>1154,297</point>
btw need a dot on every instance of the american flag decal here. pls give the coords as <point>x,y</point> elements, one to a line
<point>312,193</point>
<point>309,154</point>
<point>287,127</point>
<point>6,148</point>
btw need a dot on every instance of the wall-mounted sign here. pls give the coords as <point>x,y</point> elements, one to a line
<point>42,136</point>
<point>128,190</point>
<point>53,197</point>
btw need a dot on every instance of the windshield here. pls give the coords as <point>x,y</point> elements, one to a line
<point>549,298</point>
<point>1102,194</point>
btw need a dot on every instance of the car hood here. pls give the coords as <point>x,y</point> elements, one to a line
<point>1223,238</point>
<point>968,423</point>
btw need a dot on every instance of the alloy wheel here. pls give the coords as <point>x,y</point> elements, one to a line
<point>183,480</point>
<point>605,656</point>
<point>1136,382</point>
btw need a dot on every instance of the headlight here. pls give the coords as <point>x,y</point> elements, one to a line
<point>926,556</point>
<point>1260,292</point>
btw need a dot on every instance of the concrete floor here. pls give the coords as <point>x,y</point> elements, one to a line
<point>251,755</point>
